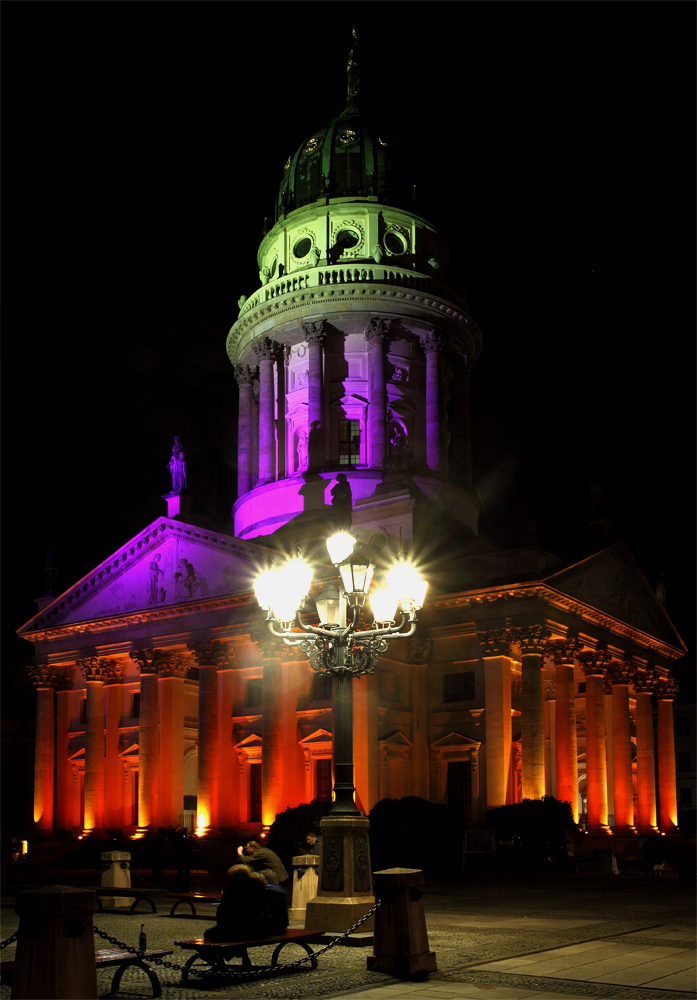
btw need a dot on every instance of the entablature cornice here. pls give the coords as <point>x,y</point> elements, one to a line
<point>487,605</point>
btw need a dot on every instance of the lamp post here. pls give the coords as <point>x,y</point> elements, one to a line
<point>337,647</point>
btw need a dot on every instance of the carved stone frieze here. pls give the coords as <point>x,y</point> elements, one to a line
<point>267,349</point>
<point>593,661</point>
<point>550,689</point>
<point>98,668</point>
<point>419,650</point>
<point>377,330</point>
<point>315,332</point>
<point>212,653</point>
<point>559,651</point>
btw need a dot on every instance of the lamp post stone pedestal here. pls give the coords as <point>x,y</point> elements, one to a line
<point>345,891</point>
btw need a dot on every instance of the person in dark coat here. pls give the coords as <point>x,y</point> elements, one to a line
<point>182,857</point>
<point>313,844</point>
<point>156,851</point>
<point>243,913</point>
<point>264,861</point>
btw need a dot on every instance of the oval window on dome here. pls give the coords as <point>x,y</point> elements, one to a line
<point>346,239</point>
<point>395,243</point>
<point>302,247</point>
<point>347,136</point>
<point>384,140</point>
<point>311,145</point>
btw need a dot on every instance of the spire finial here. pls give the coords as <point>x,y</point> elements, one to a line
<point>352,67</point>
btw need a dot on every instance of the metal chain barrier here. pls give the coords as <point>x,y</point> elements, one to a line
<point>266,970</point>
<point>10,940</point>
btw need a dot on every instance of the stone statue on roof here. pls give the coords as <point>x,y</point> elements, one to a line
<point>352,68</point>
<point>177,467</point>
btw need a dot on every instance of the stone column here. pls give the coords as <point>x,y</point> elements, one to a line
<point>114,817</point>
<point>666,690</point>
<point>172,674</point>
<point>210,654</point>
<point>376,335</point>
<point>432,344</point>
<point>272,790</point>
<point>315,336</point>
<point>532,734</point>
<point>620,674</point>
<point>644,684</point>
<point>267,351</point>
<point>148,662</point>
<point>227,762</point>
<point>96,670</point>
<point>245,377</point>
<point>592,663</point>
<point>561,652</point>
<point>64,778</point>
<point>43,678</point>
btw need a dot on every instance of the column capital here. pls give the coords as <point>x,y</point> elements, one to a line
<point>151,661</point>
<point>268,645</point>
<point>98,668</point>
<point>593,661</point>
<point>530,639</point>
<point>377,331</point>
<point>212,653</point>
<point>432,341</point>
<point>621,672</point>
<point>46,675</point>
<point>514,641</point>
<point>245,374</point>
<point>645,681</point>
<point>666,688</point>
<point>173,665</point>
<point>267,349</point>
<point>315,332</point>
<point>561,651</point>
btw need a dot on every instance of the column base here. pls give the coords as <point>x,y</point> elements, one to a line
<point>600,828</point>
<point>624,831</point>
<point>93,834</point>
<point>647,831</point>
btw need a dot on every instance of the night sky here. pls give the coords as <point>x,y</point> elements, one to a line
<point>143,145</point>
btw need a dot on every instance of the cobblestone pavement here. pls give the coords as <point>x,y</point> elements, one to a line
<point>505,923</point>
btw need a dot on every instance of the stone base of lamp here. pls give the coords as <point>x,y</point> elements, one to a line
<point>305,868</point>
<point>345,891</point>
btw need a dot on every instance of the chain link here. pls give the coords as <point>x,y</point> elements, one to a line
<point>10,940</point>
<point>267,970</point>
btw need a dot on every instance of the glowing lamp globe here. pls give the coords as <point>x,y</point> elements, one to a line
<point>340,546</point>
<point>357,574</point>
<point>384,605</point>
<point>407,586</point>
<point>328,607</point>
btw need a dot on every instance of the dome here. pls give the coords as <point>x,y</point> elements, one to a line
<point>354,156</point>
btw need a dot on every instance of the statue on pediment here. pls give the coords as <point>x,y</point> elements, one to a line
<point>177,467</point>
<point>156,593</point>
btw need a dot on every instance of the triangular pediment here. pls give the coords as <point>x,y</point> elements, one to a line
<point>132,751</point>
<point>612,582</point>
<point>78,755</point>
<point>454,740</point>
<point>249,743</point>
<point>395,739</point>
<point>168,563</point>
<point>319,736</point>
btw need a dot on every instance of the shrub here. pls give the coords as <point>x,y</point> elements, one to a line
<point>532,835</point>
<point>287,833</point>
<point>406,833</point>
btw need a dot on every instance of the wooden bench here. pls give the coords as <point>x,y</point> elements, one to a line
<point>216,953</point>
<point>191,898</point>
<point>138,894</point>
<point>105,957</point>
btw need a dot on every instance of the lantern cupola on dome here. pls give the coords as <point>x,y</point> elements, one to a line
<point>354,156</point>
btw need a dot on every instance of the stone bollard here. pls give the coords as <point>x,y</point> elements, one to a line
<point>55,947</point>
<point>305,881</point>
<point>117,874</point>
<point>401,938</point>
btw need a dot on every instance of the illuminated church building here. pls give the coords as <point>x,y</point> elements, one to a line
<point>162,699</point>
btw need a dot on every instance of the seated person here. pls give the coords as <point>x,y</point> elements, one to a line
<point>243,913</point>
<point>264,861</point>
<point>277,902</point>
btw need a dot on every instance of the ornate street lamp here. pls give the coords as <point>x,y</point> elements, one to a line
<point>338,648</point>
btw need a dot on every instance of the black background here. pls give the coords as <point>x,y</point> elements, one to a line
<point>143,145</point>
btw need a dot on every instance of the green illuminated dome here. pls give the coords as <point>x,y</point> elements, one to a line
<point>354,156</point>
